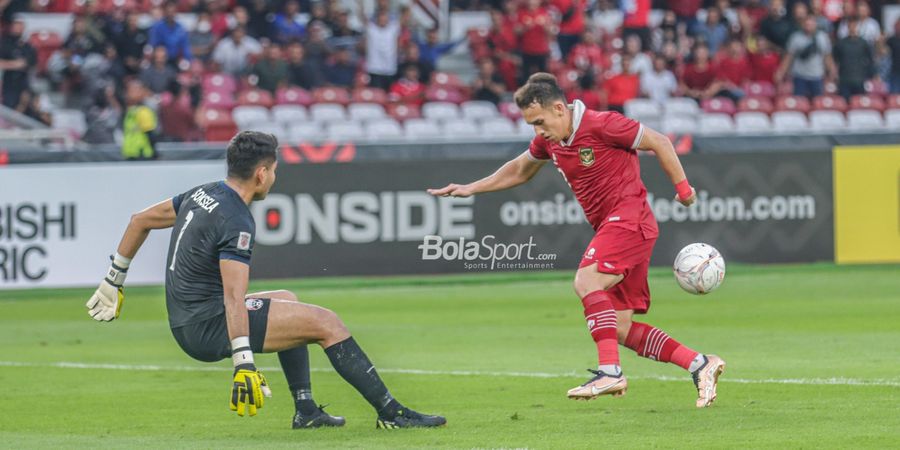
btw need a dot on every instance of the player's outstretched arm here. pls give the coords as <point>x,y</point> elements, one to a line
<point>249,385</point>
<point>513,173</point>
<point>657,143</point>
<point>106,303</point>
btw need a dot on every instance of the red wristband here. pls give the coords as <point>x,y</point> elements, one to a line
<point>684,189</point>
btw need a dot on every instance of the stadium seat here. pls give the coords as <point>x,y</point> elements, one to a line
<point>293,96</point>
<point>892,119</point>
<point>719,105</point>
<point>498,127</point>
<point>246,117</point>
<point>827,120</point>
<point>72,120</point>
<point>442,94</point>
<point>369,95</point>
<point>756,104</point>
<point>567,79</point>
<point>304,132</point>
<point>680,124</point>
<point>219,82</point>
<point>218,100</point>
<point>289,114</point>
<point>876,87</point>
<point>218,125</point>
<point>448,80</point>
<point>440,111</point>
<point>752,122</point>
<point>331,95</point>
<point>792,103</point>
<point>422,129</point>
<point>830,103</point>
<point>327,112</point>
<point>402,112</point>
<point>256,97</point>
<point>384,129</point>
<point>893,101</point>
<point>872,102</point>
<point>366,111</point>
<point>275,129</point>
<point>681,106</point>
<point>524,130</point>
<point>759,89</point>
<point>715,123</point>
<point>864,119</point>
<point>642,109</point>
<point>45,42</point>
<point>789,122</point>
<point>510,110</point>
<point>478,109</point>
<point>460,128</point>
<point>346,131</point>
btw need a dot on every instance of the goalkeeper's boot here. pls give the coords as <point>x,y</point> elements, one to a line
<point>706,378</point>
<point>601,384</point>
<point>407,418</point>
<point>317,419</point>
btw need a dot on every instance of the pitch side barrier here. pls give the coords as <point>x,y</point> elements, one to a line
<point>58,225</point>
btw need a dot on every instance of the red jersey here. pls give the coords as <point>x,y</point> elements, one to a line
<point>534,39</point>
<point>408,91</point>
<point>696,78</point>
<point>637,13</point>
<point>600,164</point>
<point>587,56</point>
<point>574,24</point>
<point>737,71</point>
<point>621,88</point>
<point>764,65</point>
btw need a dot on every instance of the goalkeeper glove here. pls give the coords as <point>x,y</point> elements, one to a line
<point>249,386</point>
<point>106,303</point>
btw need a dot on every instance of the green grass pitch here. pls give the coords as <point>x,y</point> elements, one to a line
<point>813,356</point>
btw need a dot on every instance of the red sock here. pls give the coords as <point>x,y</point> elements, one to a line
<point>653,343</point>
<point>601,321</point>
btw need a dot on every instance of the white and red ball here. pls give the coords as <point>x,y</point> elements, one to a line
<point>699,268</point>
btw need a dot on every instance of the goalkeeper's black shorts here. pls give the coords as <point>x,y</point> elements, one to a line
<point>208,340</point>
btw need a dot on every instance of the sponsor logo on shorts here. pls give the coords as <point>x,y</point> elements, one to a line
<point>590,253</point>
<point>243,241</point>
<point>608,265</point>
<point>253,304</point>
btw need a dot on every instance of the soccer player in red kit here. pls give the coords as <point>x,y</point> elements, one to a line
<point>596,152</point>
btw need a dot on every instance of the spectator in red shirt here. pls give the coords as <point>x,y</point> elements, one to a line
<point>622,87</point>
<point>750,15</point>
<point>587,55</point>
<point>764,61</point>
<point>534,29</point>
<point>502,41</point>
<point>686,11</point>
<point>637,20</point>
<point>586,91</point>
<point>408,89</point>
<point>699,78</point>
<point>571,24</point>
<point>733,68</point>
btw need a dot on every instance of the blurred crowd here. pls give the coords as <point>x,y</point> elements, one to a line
<point>604,52</point>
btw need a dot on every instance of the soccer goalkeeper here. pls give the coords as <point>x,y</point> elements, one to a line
<point>211,315</point>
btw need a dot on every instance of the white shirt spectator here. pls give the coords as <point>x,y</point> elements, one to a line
<point>381,48</point>
<point>658,86</point>
<point>867,28</point>
<point>232,56</point>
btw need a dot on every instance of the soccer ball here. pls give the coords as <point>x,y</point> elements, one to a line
<point>699,268</point>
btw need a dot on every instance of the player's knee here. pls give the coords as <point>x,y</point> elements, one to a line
<point>333,328</point>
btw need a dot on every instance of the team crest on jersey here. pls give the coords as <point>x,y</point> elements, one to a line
<point>243,241</point>
<point>253,304</point>
<point>586,155</point>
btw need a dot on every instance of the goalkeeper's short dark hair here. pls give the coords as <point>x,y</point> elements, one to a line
<point>247,150</point>
<point>541,88</point>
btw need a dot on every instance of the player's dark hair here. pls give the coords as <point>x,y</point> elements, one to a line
<point>247,150</point>
<point>541,88</point>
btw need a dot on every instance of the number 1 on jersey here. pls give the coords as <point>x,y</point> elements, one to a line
<point>187,221</point>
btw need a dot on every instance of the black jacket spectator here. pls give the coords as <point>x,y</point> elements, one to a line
<point>16,57</point>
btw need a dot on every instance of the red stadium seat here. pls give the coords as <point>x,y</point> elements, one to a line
<point>331,95</point>
<point>792,103</point>
<point>45,42</point>
<point>510,110</point>
<point>867,102</point>
<point>369,95</point>
<point>785,88</point>
<point>293,96</point>
<point>893,101</point>
<point>402,112</point>
<point>876,87</point>
<point>448,80</point>
<point>218,100</point>
<point>218,124</point>
<point>440,94</point>
<point>256,97</point>
<point>756,104</point>
<point>759,89</point>
<point>718,105</point>
<point>219,82</point>
<point>830,103</point>
<point>567,79</point>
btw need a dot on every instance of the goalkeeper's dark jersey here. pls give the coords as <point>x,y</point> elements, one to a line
<point>213,223</point>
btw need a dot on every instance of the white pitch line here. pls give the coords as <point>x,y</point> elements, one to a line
<point>156,368</point>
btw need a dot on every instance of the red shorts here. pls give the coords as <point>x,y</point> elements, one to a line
<point>621,251</point>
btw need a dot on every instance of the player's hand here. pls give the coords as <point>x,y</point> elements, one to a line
<point>106,303</point>
<point>248,390</point>
<point>688,201</point>
<point>452,190</point>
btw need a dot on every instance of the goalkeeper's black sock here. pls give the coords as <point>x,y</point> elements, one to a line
<point>354,366</point>
<point>295,364</point>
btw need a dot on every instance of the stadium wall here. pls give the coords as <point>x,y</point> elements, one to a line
<point>58,223</point>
